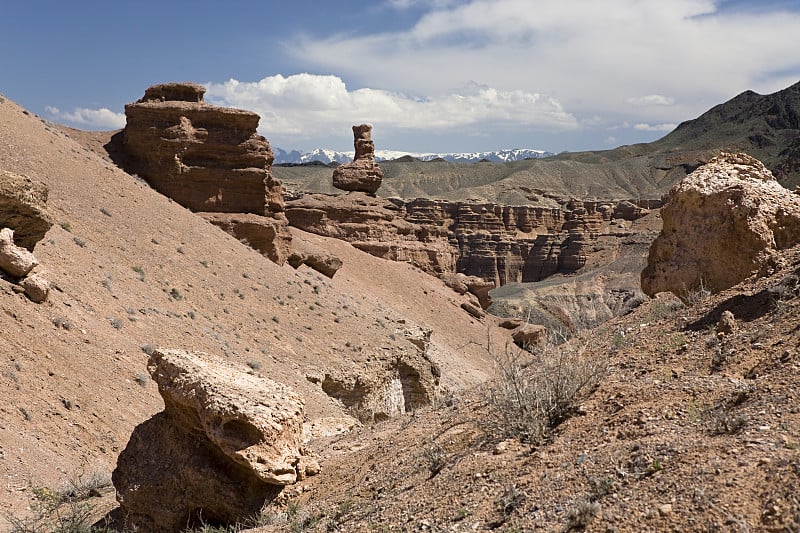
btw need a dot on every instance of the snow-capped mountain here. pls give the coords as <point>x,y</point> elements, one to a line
<point>326,156</point>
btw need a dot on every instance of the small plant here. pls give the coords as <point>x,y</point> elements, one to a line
<point>66,226</point>
<point>535,392</point>
<point>175,294</point>
<point>511,499</point>
<point>115,322</point>
<point>255,365</point>
<point>582,514</point>
<point>64,323</point>
<point>435,458</point>
<point>105,211</point>
<point>727,423</point>
<point>695,295</point>
<point>148,349</point>
<point>139,271</point>
<point>80,242</point>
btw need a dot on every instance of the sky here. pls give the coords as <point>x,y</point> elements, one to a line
<point>430,75</point>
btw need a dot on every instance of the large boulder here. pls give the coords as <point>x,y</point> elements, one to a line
<point>363,173</point>
<point>22,208</point>
<point>225,444</point>
<point>723,223</point>
<point>205,157</point>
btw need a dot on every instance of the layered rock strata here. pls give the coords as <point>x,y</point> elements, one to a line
<point>496,243</point>
<point>723,223</point>
<point>225,444</point>
<point>208,159</point>
<point>363,173</point>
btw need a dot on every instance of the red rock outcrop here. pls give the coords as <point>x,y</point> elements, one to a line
<point>225,444</point>
<point>363,173</point>
<point>722,223</point>
<point>208,159</point>
<point>268,235</point>
<point>499,244</point>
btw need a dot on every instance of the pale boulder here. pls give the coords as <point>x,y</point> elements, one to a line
<point>14,260</point>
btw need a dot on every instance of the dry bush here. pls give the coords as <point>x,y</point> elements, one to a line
<point>535,391</point>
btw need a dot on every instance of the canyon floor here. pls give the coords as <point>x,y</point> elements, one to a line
<point>686,430</point>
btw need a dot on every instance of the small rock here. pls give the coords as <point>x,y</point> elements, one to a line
<point>665,509</point>
<point>726,324</point>
<point>14,260</point>
<point>36,287</point>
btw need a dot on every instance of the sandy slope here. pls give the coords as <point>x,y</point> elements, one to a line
<point>132,268</point>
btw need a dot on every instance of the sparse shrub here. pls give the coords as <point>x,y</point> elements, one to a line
<point>582,514</point>
<point>511,499</point>
<point>115,322</point>
<point>695,295</point>
<point>435,458</point>
<point>534,392</point>
<point>66,226</point>
<point>140,272</point>
<point>80,242</point>
<point>175,294</point>
<point>255,365</point>
<point>105,211</point>
<point>727,423</point>
<point>148,349</point>
<point>60,322</point>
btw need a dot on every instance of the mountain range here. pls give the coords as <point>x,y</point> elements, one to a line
<point>327,156</point>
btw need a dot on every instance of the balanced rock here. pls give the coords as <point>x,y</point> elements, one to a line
<point>205,157</point>
<point>363,173</point>
<point>36,286</point>
<point>14,260</point>
<point>22,207</point>
<point>723,223</point>
<point>225,444</point>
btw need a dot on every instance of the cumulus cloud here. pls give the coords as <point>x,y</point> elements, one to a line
<point>591,55</point>
<point>642,126</point>
<point>102,118</point>
<point>305,105</point>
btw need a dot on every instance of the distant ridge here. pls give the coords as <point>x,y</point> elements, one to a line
<point>325,156</point>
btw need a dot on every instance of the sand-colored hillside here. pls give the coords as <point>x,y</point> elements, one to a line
<point>131,269</point>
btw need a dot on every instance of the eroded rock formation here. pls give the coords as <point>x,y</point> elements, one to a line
<point>22,208</point>
<point>363,173</point>
<point>496,243</point>
<point>722,223</point>
<point>209,159</point>
<point>206,158</point>
<point>226,442</point>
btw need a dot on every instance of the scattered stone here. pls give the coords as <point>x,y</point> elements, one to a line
<point>362,174</point>
<point>722,223</point>
<point>665,509</point>
<point>14,260</point>
<point>726,324</point>
<point>473,310</point>
<point>225,444</point>
<point>36,287</point>
<point>315,257</point>
<point>528,335</point>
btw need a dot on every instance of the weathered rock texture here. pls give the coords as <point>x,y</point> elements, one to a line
<point>496,243</point>
<point>22,208</point>
<point>266,234</point>
<point>206,158</point>
<point>304,253</point>
<point>14,260</point>
<point>362,174</point>
<point>723,223</point>
<point>226,442</point>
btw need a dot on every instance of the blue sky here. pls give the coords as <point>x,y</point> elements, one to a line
<point>430,75</point>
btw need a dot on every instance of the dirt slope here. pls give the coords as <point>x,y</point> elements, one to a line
<point>132,269</point>
<point>688,431</point>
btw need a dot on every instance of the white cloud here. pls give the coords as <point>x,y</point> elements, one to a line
<point>307,105</point>
<point>651,99</point>
<point>654,127</point>
<point>102,118</point>
<point>588,54</point>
